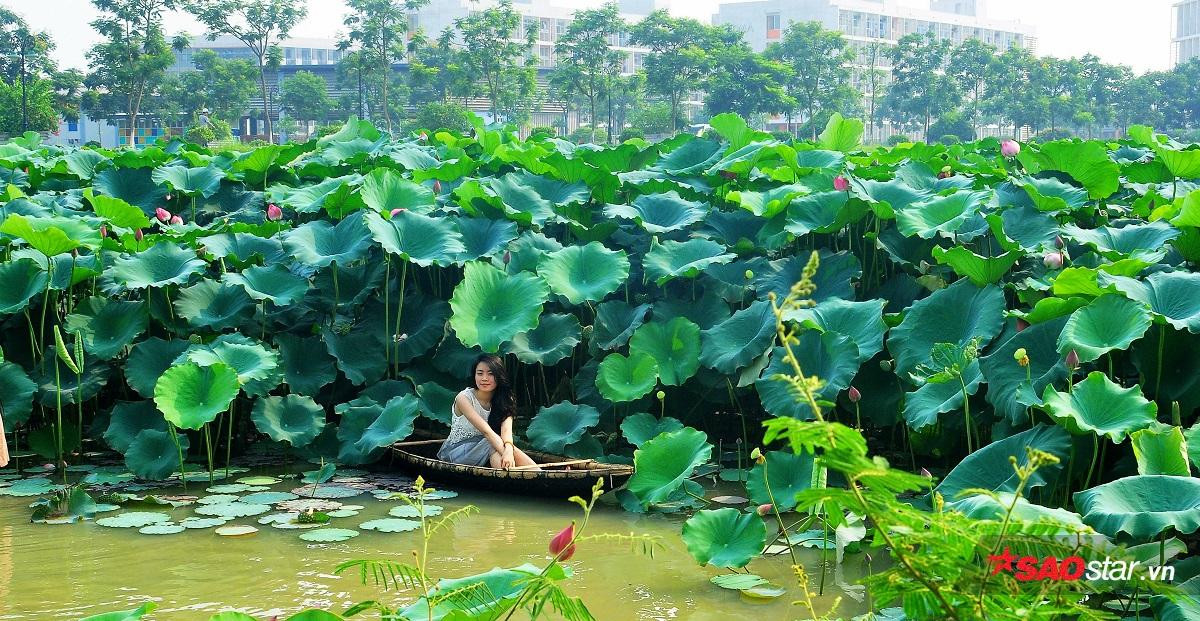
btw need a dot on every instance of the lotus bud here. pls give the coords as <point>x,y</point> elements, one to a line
<point>137,234</point>
<point>437,186</point>
<point>1053,260</point>
<point>163,215</point>
<point>927,474</point>
<point>424,136</point>
<point>764,509</point>
<point>176,220</point>
<point>854,395</point>
<point>1058,242</point>
<point>841,184</point>
<point>397,211</point>
<point>749,274</point>
<point>885,366</point>
<point>103,231</point>
<point>1010,148</point>
<point>507,257</point>
<point>1021,324</point>
<point>728,174</point>
<point>587,331</point>
<point>274,213</point>
<point>661,395</point>
<point>1072,360</point>
<point>561,546</point>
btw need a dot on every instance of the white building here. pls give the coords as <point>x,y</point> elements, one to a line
<point>1185,33</point>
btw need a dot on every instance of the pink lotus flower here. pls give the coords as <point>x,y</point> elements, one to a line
<point>163,215</point>
<point>1053,260</point>
<point>437,186</point>
<point>397,211</point>
<point>176,220</point>
<point>274,213</point>
<point>1010,148</point>
<point>763,510</point>
<point>103,231</point>
<point>424,136</point>
<point>137,234</point>
<point>1072,360</point>
<point>841,184</point>
<point>854,395</point>
<point>561,546</point>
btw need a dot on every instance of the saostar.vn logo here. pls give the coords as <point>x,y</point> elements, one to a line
<point>1029,568</point>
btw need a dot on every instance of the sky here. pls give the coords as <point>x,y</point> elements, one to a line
<point>1130,32</point>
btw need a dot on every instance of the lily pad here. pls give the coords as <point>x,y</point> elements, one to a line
<point>724,537</point>
<point>236,530</point>
<point>162,529</point>
<point>198,523</point>
<point>133,519</point>
<point>409,511</point>
<point>268,498</point>
<point>232,509</point>
<point>737,582</point>
<point>258,480</point>
<point>329,535</point>
<point>390,525</point>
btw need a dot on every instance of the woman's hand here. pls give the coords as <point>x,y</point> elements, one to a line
<point>506,457</point>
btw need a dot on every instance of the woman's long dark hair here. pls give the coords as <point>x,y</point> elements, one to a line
<point>504,402</point>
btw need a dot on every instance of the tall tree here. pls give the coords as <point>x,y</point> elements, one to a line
<point>746,83</point>
<point>130,63</point>
<point>678,62</point>
<point>819,76</point>
<point>435,69</point>
<point>504,65</point>
<point>971,64</point>
<point>584,57</point>
<point>920,91</point>
<point>68,93</point>
<point>24,58</point>
<point>305,96</point>
<point>224,87</point>
<point>258,24</point>
<point>377,29</point>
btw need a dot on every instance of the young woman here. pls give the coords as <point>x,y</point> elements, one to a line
<point>481,434</point>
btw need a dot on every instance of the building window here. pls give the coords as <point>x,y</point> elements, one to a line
<point>72,126</point>
<point>772,25</point>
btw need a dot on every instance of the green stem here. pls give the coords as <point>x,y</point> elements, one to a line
<point>387,307</point>
<point>779,518</point>
<point>58,427</point>
<point>336,292</point>
<point>400,313</point>
<point>1087,482</point>
<point>1162,337</point>
<point>966,413</point>
<point>208,453</point>
<point>178,449</point>
<point>229,438</point>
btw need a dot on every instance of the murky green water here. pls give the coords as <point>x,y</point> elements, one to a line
<point>68,571</point>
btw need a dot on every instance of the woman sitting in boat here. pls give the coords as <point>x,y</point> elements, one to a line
<point>481,434</point>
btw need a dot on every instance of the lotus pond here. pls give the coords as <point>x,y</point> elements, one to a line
<point>916,357</point>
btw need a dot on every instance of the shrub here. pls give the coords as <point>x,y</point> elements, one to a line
<point>438,116</point>
<point>542,131</point>
<point>949,139</point>
<point>583,135</point>
<point>897,139</point>
<point>654,118</point>
<point>1053,134</point>
<point>215,130</point>
<point>783,136</point>
<point>629,133</point>
<point>952,124</point>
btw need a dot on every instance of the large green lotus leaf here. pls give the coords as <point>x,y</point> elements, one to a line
<point>153,455</point>
<point>693,156</point>
<point>132,185</point>
<point>124,615</point>
<point>554,191</point>
<point>161,265</point>
<point>862,322</point>
<point>295,419</point>
<point>1098,405</point>
<point>274,283</point>
<point>108,326</point>
<point>923,405</point>
<point>199,181</point>
<point>1027,228</point>
<point>662,464</point>
<point>1139,241</point>
<point>940,214</point>
<point>495,593</point>
<point>436,402</point>
<point>887,197</point>
<point>1053,195</point>
<point>370,427</point>
<point>51,235</point>
<point>1173,295</point>
<point>190,396</point>
<point>117,212</point>
<point>1086,162</point>
<point>526,251</point>
<point>674,345</point>
<point>147,361</point>
<point>955,314</point>
<point>675,259</point>
<point>1168,363</point>
<point>980,270</point>
<point>361,351</point>
<point>841,134</point>
<point>20,281</point>
<point>483,237</point>
<point>985,507</point>
<point>311,198</point>
<point>786,473</point>
<point>490,307</point>
<point>833,278</point>
<point>615,323</point>
<point>554,338</point>
<point>424,326</point>
<point>724,537</point>
<point>307,366</point>
<point>128,419</point>
<point>65,270</point>
<point>920,175</point>
<point>584,273</point>
<point>417,238</point>
<point>770,202</point>
<point>384,189</point>
<point>989,467</point>
<point>244,247</point>
<point>16,394</point>
<point>214,305</point>
<point>71,387</point>
<point>660,213</point>
<point>561,424</point>
<point>1142,506</point>
<point>83,163</point>
<point>1008,389</point>
<point>832,357</point>
<point>641,428</point>
<point>319,243</point>
<point>1160,449</point>
<point>521,202</point>
<point>733,343</point>
<point>625,379</point>
<point>823,212</point>
<point>1109,322</point>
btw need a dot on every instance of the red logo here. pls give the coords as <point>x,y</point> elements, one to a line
<point>1027,568</point>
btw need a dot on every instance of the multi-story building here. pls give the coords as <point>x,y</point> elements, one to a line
<point>1185,33</point>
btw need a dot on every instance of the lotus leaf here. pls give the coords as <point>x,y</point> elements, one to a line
<point>483,237</point>
<point>295,419</point>
<point>622,378</point>
<point>503,586</point>
<point>1141,241</point>
<point>1173,295</point>
<point>662,464</point>
<point>198,523</point>
<point>307,366</point>
<point>214,305</point>
<point>584,273</point>
<point>724,537</point>
<point>675,259</point>
<point>985,507</point>
<point>148,360</point>
<point>108,326</point>
<point>190,396</point>
<point>561,424</point>
<point>943,215</point>
<point>161,265</point>
<point>235,509</point>
<point>268,498</point>
<point>1142,506</point>
<point>554,338</point>
<point>1160,449</point>
<point>1086,162</point>
<point>1009,390</point>
<point>410,511</point>
<point>862,322</point>
<point>133,519</point>
<point>737,582</point>
<point>30,487</point>
<point>989,467</point>
<point>16,394</point>
<point>642,427</point>
<point>955,314</point>
<point>786,474</point>
<point>830,356</point>
<point>127,420</point>
<point>733,343</point>
<point>384,190</point>
<point>20,281</point>
<point>273,283</point>
<point>152,454</point>
<point>490,307</point>
<point>660,213</point>
<point>329,535</point>
<point>616,321</point>
<point>1100,406</point>
<point>236,530</point>
<point>319,243</point>
<point>391,525</point>
<point>51,235</point>
<point>417,238</point>
<point>394,424</point>
<point>162,529</point>
<point>674,345</point>
<point>190,181</point>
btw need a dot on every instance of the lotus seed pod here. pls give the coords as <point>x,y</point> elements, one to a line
<point>1020,354</point>
<point>885,365</point>
<point>749,274</point>
<point>661,395</point>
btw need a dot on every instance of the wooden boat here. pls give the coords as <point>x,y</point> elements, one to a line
<point>560,477</point>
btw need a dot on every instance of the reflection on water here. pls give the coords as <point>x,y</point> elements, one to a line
<point>64,572</point>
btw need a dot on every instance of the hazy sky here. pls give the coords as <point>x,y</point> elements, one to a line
<point>1131,32</point>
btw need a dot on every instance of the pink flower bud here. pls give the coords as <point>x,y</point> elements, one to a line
<point>1021,324</point>
<point>176,220</point>
<point>163,215</point>
<point>137,234</point>
<point>854,395</point>
<point>561,546</point>
<point>728,174</point>
<point>763,510</point>
<point>103,231</point>
<point>507,257</point>
<point>397,211</point>
<point>927,474</point>
<point>1010,148</point>
<point>1072,360</point>
<point>437,186</point>
<point>1058,242</point>
<point>841,184</point>
<point>274,213</point>
<point>1053,260</point>
<point>424,136</point>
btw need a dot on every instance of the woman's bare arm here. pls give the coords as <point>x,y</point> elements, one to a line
<point>465,408</point>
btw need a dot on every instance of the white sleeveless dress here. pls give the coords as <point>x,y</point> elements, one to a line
<point>466,445</point>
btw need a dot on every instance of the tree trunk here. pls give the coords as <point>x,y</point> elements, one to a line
<point>592,118</point>
<point>24,95</point>
<point>387,109</point>
<point>262,81</point>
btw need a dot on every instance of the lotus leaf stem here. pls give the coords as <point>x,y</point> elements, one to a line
<point>179,450</point>
<point>399,314</point>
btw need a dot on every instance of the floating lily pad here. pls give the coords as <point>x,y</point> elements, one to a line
<point>198,522</point>
<point>108,478</point>
<point>258,480</point>
<point>730,500</point>
<point>237,530</point>
<point>106,508</point>
<point>304,504</point>
<point>228,488</point>
<point>737,582</point>
<point>268,498</point>
<point>133,519</point>
<point>408,511</point>
<point>327,491</point>
<point>344,512</point>
<point>329,535</point>
<point>765,591</point>
<point>162,529</point>
<point>217,499</point>
<point>386,525</point>
<point>233,509</point>
<point>30,487</point>
<point>440,494</point>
